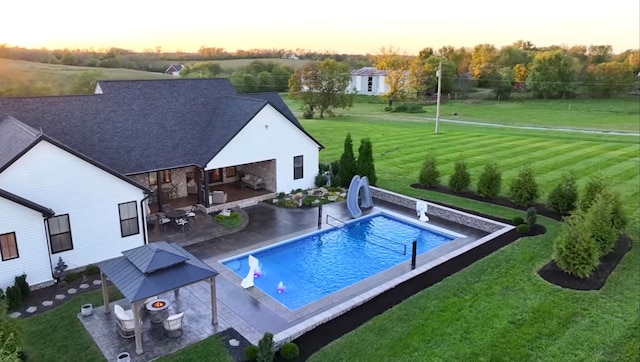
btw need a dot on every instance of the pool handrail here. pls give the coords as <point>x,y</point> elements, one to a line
<point>404,246</point>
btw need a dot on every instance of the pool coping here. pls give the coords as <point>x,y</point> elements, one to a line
<point>316,313</point>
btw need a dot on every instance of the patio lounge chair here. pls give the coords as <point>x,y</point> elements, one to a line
<point>125,324</point>
<point>173,325</point>
<point>218,197</point>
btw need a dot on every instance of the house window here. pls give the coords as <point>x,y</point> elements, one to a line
<point>297,167</point>
<point>370,84</point>
<point>215,175</point>
<point>60,233</point>
<point>8,246</point>
<point>129,219</point>
<point>231,171</point>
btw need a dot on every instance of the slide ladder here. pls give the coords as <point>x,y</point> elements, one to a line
<point>359,187</point>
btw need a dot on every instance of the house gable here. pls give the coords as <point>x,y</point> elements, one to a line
<point>50,175</point>
<point>271,136</point>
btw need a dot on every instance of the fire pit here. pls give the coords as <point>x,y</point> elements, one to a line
<point>158,310</point>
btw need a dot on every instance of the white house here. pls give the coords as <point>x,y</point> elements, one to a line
<point>369,81</point>
<point>174,69</point>
<point>60,204</point>
<point>94,159</point>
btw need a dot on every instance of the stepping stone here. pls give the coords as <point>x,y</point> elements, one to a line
<point>234,342</point>
<point>15,315</point>
<point>32,309</point>
<point>72,291</point>
<point>84,286</point>
<point>97,282</point>
<point>60,296</point>
<point>47,303</point>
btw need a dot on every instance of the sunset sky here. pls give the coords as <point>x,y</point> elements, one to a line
<point>354,27</point>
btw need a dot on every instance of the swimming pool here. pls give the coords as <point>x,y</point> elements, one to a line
<point>319,264</point>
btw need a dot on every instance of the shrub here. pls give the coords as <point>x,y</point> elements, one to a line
<point>324,167</point>
<point>618,215</point>
<point>321,180</point>
<point>14,297</point>
<point>523,189</point>
<point>460,180</point>
<point>11,334</point>
<point>289,351</point>
<point>266,348</point>
<point>532,216</point>
<point>387,109</point>
<point>307,114</point>
<point>251,352</point>
<point>281,195</point>
<point>490,181</point>
<point>517,220</point>
<point>594,186</point>
<point>2,296</point>
<point>288,203</point>
<point>308,200</point>
<point>92,269</point>
<point>71,277</point>
<point>234,220</point>
<point>563,198</point>
<point>522,229</point>
<point>575,251</point>
<point>21,282</point>
<point>347,168</point>
<point>364,164</point>
<point>599,223</point>
<point>429,175</point>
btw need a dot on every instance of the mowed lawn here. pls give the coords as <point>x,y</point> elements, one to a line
<point>617,114</point>
<point>498,308</point>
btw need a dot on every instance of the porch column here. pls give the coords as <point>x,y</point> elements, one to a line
<point>105,294</point>
<point>159,191</point>
<point>198,181</point>
<point>214,301</point>
<point>206,188</point>
<point>137,327</point>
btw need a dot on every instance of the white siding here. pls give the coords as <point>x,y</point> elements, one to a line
<point>269,135</point>
<point>67,184</point>
<point>33,260</point>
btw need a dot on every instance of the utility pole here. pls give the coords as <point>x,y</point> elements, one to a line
<point>439,75</point>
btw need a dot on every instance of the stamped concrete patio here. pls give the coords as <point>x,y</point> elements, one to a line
<point>251,312</point>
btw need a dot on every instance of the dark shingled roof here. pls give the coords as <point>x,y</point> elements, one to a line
<point>15,138</point>
<point>154,269</point>
<point>45,211</point>
<point>142,126</point>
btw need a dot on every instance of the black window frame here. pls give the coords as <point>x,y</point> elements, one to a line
<point>370,84</point>
<point>51,236</point>
<point>298,171</point>
<point>15,245</point>
<point>128,220</point>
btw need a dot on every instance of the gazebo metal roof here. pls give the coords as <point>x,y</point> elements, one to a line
<point>154,269</point>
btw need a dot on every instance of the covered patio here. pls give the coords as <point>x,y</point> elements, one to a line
<point>149,271</point>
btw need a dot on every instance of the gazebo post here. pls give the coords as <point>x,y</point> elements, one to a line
<point>137,327</point>
<point>214,306</point>
<point>105,294</point>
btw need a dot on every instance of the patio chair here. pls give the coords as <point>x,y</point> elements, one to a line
<point>163,221</point>
<point>125,325</point>
<point>173,325</point>
<point>182,223</point>
<point>219,197</point>
<point>191,214</point>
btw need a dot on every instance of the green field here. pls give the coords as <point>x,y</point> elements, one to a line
<point>618,114</point>
<point>22,78</point>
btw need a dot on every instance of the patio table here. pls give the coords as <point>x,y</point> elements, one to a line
<point>175,214</point>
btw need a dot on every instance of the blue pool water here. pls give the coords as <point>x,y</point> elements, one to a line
<point>319,264</point>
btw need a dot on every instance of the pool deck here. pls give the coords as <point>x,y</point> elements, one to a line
<point>252,312</point>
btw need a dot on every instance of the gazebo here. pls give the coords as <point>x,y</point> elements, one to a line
<point>153,269</point>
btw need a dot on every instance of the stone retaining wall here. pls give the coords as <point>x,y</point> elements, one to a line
<point>456,216</point>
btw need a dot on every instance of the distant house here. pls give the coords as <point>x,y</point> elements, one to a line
<point>369,81</point>
<point>174,69</point>
<point>79,174</point>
